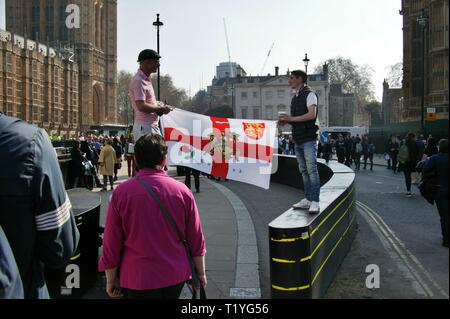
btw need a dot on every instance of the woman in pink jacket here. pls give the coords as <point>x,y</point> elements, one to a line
<point>139,239</point>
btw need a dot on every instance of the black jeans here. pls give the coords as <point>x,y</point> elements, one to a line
<point>407,171</point>
<point>370,157</point>
<point>442,206</point>
<point>394,162</point>
<point>188,171</point>
<point>357,159</point>
<point>172,292</point>
<point>105,181</point>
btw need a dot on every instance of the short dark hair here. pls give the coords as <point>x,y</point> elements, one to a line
<point>300,74</point>
<point>443,146</point>
<point>150,151</point>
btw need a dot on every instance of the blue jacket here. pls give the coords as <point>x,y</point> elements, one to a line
<point>35,211</point>
<point>438,163</point>
<point>10,282</point>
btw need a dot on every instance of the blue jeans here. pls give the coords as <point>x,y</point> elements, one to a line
<point>307,162</point>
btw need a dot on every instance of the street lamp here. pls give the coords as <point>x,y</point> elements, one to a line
<point>423,22</point>
<point>306,61</point>
<point>158,24</point>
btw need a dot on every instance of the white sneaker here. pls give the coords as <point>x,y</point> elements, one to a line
<point>303,204</point>
<point>314,208</point>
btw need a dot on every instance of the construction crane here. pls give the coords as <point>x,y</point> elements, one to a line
<point>267,59</point>
<point>228,48</point>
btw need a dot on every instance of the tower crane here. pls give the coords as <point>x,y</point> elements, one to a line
<point>228,48</point>
<point>267,59</point>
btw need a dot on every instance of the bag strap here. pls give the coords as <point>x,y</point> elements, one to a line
<point>163,207</point>
<point>202,294</point>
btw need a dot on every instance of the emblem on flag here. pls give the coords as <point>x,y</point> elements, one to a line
<point>254,130</point>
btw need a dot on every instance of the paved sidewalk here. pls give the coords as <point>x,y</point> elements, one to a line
<point>230,263</point>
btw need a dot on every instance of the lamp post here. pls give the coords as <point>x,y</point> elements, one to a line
<point>423,22</point>
<point>306,61</point>
<point>158,24</point>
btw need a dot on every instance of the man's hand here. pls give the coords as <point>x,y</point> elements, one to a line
<point>284,119</point>
<point>164,109</point>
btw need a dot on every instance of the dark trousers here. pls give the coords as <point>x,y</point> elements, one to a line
<point>407,171</point>
<point>368,157</point>
<point>131,165</point>
<point>442,206</point>
<point>357,161</point>
<point>105,181</point>
<point>172,292</point>
<point>394,162</point>
<point>188,171</point>
<point>348,159</point>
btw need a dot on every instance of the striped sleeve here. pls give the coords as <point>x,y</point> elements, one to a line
<point>56,218</point>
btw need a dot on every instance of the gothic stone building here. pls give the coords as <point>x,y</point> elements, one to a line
<point>94,44</point>
<point>436,38</point>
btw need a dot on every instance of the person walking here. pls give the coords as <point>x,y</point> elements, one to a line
<point>432,148</point>
<point>407,158</point>
<point>371,152</point>
<point>340,149</point>
<point>188,172</point>
<point>143,256</point>
<point>348,150</point>
<point>146,108</point>
<point>358,153</point>
<point>129,153</point>
<point>393,148</point>
<point>118,149</point>
<point>304,110</point>
<point>107,161</point>
<point>438,165</point>
<point>76,166</point>
<point>36,213</point>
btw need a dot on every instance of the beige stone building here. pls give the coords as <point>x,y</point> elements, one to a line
<point>436,58</point>
<point>39,85</point>
<point>94,42</point>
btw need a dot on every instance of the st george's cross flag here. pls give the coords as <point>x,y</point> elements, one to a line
<point>239,150</point>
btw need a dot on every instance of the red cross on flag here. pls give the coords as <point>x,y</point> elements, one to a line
<point>240,150</point>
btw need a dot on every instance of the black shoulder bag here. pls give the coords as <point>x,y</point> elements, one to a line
<point>195,280</point>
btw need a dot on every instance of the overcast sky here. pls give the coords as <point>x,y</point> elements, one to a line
<point>193,38</point>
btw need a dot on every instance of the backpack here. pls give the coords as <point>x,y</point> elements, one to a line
<point>359,148</point>
<point>403,154</point>
<point>372,149</point>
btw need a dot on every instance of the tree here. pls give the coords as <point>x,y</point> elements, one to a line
<point>124,109</point>
<point>354,78</point>
<point>169,93</point>
<point>221,111</point>
<point>200,102</point>
<point>395,75</point>
<point>374,107</point>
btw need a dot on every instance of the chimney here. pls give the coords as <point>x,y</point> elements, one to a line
<point>277,71</point>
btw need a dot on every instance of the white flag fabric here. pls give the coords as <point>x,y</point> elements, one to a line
<point>240,150</point>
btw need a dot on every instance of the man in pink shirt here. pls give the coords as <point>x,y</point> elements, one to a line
<point>139,239</point>
<point>146,108</point>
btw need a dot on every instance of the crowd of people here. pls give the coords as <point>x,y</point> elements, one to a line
<point>94,155</point>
